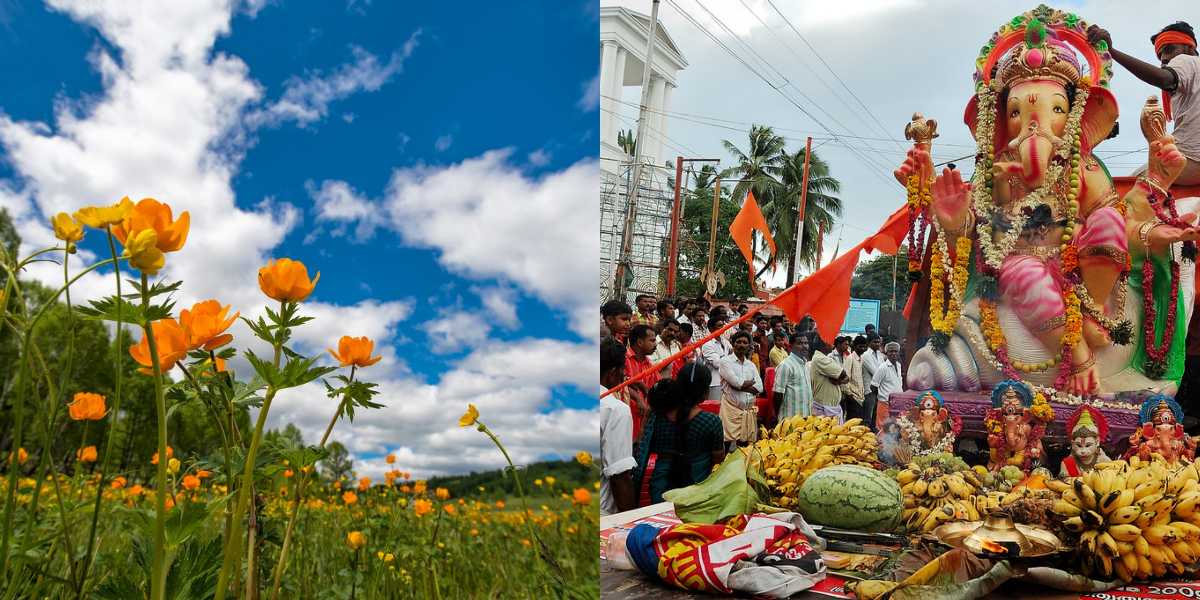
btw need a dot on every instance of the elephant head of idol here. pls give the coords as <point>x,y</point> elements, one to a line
<point>1029,82</point>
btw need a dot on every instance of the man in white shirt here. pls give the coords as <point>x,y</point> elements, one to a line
<point>852,390</point>
<point>712,352</point>
<point>887,380</point>
<point>1178,78</point>
<point>740,385</point>
<point>668,344</point>
<point>617,490</point>
<point>793,393</point>
<point>873,357</point>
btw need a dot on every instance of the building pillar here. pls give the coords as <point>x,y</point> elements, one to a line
<point>653,137</point>
<point>664,106</point>
<point>618,88</point>
<point>608,73</point>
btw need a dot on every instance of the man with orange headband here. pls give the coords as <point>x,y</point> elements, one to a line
<point>1179,80</point>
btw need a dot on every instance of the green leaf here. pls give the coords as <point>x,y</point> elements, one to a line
<point>265,369</point>
<point>299,371</point>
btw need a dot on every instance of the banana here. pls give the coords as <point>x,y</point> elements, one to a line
<point>1183,551</point>
<point>1091,519</point>
<point>919,488</point>
<point>1108,502</point>
<point>1070,496</point>
<point>1123,571</point>
<point>1125,533</point>
<point>1107,545</point>
<point>1120,516</point>
<point>1066,509</point>
<point>1056,486</point>
<point>1074,524</point>
<point>937,488</point>
<point>1187,530</point>
<point>1087,497</point>
<point>1158,535</point>
<point>1140,546</point>
<point>1146,488</point>
<point>1146,519</point>
<point>1186,506</point>
<point>906,476</point>
<point>1130,561</point>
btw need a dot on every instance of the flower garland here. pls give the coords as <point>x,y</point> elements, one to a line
<point>919,200</point>
<point>1156,351</point>
<point>996,343</point>
<point>943,322</point>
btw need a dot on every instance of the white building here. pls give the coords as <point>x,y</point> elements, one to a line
<point>623,37</point>
<point>623,34</point>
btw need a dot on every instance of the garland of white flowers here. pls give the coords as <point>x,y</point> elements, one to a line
<point>994,253</point>
<point>916,440</point>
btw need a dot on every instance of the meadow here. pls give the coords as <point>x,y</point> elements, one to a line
<point>239,511</point>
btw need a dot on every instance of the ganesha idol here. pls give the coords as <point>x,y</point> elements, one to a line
<point>1015,425</point>
<point>1161,432</point>
<point>1040,271</point>
<point>928,428</point>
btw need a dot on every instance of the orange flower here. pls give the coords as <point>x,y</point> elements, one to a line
<point>22,456</point>
<point>170,502</point>
<point>349,498</point>
<point>422,507</point>
<point>442,493</point>
<point>582,497</point>
<point>391,459</point>
<point>356,540</point>
<point>191,482</point>
<point>419,488</point>
<point>87,407</point>
<point>202,474</point>
<point>364,484</point>
<point>134,491</point>
<point>404,489</point>
<point>288,474</point>
<point>286,280</point>
<point>449,508</point>
<point>118,482</point>
<point>205,325</point>
<point>170,454</point>
<point>87,454</point>
<point>500,504</point>
<point>152,214</point>
<point>171,341</point>
<point>355,351</point>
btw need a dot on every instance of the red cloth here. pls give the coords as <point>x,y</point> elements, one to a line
<point>1163,39</point>
<point>748,219</point>
<point>767,414</point>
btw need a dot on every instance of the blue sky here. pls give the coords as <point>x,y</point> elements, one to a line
<point>437,166</point>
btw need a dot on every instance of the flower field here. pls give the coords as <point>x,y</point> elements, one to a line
<point>260,515</point>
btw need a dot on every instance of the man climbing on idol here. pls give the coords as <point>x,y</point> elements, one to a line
<point>1179,80</point>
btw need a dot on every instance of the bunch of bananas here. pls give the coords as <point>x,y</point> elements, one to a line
<point>798,446</point>
<point>933,496</point>
<point>1135,519</point>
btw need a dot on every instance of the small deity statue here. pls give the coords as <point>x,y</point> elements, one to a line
<point>1161,432</point>
<point>1088,430</point>
<point>928,427</point>
<point>1015,425</point>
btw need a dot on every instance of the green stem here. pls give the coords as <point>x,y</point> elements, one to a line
<point>516,478</point>
<point>19,409</point>
<point>112,428</point>
<point>233,545</point>
<point>158,571</point>
<point>281,566</point>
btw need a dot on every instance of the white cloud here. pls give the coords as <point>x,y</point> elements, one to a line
<point>500,303</point>
<point>510,383</point>
<point>442,143</point>
<point>455,329</point>
<point>590,100</point>
<point>306,100</point>
<point>539,157</point>
<point>338,202</point>
<point>349,117</point>
<point>402,140</point>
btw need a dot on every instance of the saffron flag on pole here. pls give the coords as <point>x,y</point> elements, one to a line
<point>749,219</point>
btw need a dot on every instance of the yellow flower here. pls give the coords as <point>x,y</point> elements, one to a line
<point>87,407</point>
<point>286,280</point>
<point>151,215</point>
<point>349,498</point>
<point>173,466</point>
<point>537,482</point>
<point>391,459</point>
<point>355,351</point>
<point>442,493</point>
<point>356,540</point>
<point>387,558</point>
<point>468,419</point>
<point>584,458</point>
<point>66,229</point>
<point>100,217</point>
<point>87,454</point>
<point>205,324</point>
<point>550,480</point>
<point>142,250</point>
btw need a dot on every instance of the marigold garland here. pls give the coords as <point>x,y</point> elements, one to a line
<point>943,322</point>
<point>919,199</point>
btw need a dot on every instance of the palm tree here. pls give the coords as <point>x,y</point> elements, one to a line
<point>821,206</point>
<point>759,168</point>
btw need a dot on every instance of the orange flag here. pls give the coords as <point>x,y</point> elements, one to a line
<point>747,220</point>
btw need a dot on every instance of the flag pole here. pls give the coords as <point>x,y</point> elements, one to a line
<point>803,205</point>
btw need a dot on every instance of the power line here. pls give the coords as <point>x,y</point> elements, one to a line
<point>831,71</point>
<point>692,20</point>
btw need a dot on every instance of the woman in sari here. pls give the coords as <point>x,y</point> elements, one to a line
<point>680,442</point>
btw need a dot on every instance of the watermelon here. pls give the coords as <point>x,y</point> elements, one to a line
<point>851,497</point>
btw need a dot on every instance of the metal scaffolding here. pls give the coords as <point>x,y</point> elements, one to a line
<point>651,230</point>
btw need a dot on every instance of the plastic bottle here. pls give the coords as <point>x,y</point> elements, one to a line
<point>615,552</point>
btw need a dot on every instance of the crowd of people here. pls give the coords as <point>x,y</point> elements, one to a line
<point>656,435</point>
